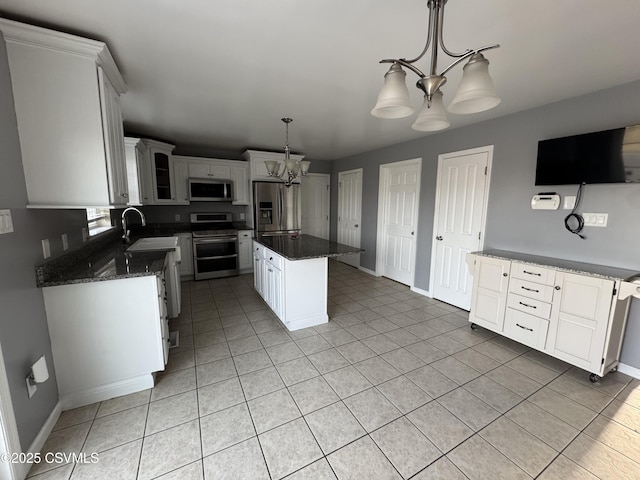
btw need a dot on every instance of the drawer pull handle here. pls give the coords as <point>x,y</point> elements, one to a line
<point>530,289</point>
<point>524,328</point>
<point>505,274</point>
<point>532,273</point>
<point>527,305</point>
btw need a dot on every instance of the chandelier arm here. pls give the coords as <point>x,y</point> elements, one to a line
<point>432,17</point>
<point>404,63</point>
<point>440,39</point>
<point>466,55</point>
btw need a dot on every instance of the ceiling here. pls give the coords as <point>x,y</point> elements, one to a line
<point>219,74</point>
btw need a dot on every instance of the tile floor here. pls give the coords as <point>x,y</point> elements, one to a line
<point>396,385</point>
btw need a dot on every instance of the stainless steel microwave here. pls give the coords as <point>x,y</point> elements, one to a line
<point>210,190</point>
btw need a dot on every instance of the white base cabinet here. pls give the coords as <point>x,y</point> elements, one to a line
<point>245,256</point>
<point>296,291</point>
<point>107,337</point>
<point>576,316</point>
<point>186,253</point>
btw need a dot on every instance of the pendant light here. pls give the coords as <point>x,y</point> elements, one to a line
<point>292,168</point>
<point>475,94</point>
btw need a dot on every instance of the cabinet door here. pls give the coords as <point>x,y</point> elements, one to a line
<point>580,319</point>
<point>220,171</point>
<point>186,250</point>
<point>244,252</point>
<point>489,298</point>
<point>114,141</point>
<point>162,170</point>
<point>146,176</point>
<point>198,170</point>
<point>181,177</point>
<point>258,281</point>
<point>240,177</point>
<point>276,291</point>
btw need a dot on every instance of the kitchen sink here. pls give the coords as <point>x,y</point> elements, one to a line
<point>154,243</point>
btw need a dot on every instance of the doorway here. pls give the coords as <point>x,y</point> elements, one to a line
<point>315,204</point>
<point>398,208</point>
<point>462,191</point>
<point>350,212</point>
<point>9,440</point>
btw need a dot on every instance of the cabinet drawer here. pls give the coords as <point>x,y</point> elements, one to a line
<point>529,289</point>
<point>526,329</point>
<point>273,258</point>
<point>529,305</point>
<point>545,276</point>
<point>258,249</point>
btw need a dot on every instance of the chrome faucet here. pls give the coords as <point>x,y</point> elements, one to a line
<point>125,232</point>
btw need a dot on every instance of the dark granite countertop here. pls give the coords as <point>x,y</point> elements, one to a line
<point>102,259</point>
<point>304,247</point>
<point>595,270</point>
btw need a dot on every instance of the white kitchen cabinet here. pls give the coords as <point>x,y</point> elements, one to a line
<point>569,310</point>
<point>258,170</point>
<point>186,249</point>
<point>245,256</point>
<point>295,290</point>
<point>181,179</point>
<point>488,303</point>
<point>107,337</point>
<point>241,184</point>
<point>162,174</point>
<point>66,96</point>
<point>209,168</point>
<point>136,159</point>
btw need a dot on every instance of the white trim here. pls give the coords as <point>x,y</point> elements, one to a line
<point>41,438</point>
<point>306,322</point>
<point>328,177</point>
<point>340,175</point>
<point>489,150</point>
<point>384,168</point>
<point>9,438</point>
<point>420,291</point>
<point>629,370</point>
<point>105,392</point>
<point>370,272</point>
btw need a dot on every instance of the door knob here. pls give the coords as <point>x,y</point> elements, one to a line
<point>439,237</point>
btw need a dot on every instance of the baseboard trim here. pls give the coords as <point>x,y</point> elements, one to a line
<point>38,442</point>
<point>370,272</point>
<point>105,392</point>
<point>307,322</point>
<point>629,370</point>
<point>421,292</point>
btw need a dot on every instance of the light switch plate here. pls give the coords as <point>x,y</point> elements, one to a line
<point>241,216</point>
<point>569,202</point>
<point>6,224</point>
<point>177,217</point>
<point>65,242</point>
<point>46,248</point>
<point>595,219</point>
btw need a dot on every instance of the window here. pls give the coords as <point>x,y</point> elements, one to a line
<point>98,220</point>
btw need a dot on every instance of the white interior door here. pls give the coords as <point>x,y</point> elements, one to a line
<point>350,212</point>
<point>398,209</point>
<point>315,204</point>
<point>461,203</point>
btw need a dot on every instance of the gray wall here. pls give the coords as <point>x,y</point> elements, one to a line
<point>23,326</point>
<point>511,224</point>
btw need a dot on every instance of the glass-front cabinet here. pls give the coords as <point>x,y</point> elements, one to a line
<point>164,191</point>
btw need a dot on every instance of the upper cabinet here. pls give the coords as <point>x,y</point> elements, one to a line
<point>66,93</point>
<point>162,174</point>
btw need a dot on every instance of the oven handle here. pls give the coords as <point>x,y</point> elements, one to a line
<point>216,258</point>
<point>214,240</point>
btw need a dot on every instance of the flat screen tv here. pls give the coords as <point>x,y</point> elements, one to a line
<point>610,156</point>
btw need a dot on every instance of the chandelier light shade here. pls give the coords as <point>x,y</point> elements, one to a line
<point>292,168</point>
<point>432,116</point>
<point>475,94</point>
<point>393,100</point>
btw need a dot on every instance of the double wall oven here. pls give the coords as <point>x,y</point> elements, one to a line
<point>215,245</point>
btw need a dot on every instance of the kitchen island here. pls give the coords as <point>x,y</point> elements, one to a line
<point>291,275</point>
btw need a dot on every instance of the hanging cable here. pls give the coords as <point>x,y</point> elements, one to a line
<point>574,217</point>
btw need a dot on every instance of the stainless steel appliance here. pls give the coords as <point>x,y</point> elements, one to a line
<point>215,245</point>
<point>277,209</point>
<point>203,190</point>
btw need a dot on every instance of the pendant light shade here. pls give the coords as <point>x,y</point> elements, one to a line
<point>432,117</point>
<point>476,92</point>
<point>393,100</point>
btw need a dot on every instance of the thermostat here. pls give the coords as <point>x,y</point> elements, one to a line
<point>545,201</point>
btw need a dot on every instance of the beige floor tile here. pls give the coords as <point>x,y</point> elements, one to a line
<point>334,426</point>
<point>492,393</point>
<point>328,360</point>
<point>362,459</point>
<point>468,408</point>
<point>404,394</point>
<point>601,460</point>
<point>616,436</point>
<point>225,428</point>
<point>218,396</point>
<point>240,461</point>
<point>518,445</point>
<point>193,471</point>
<point>377,370</point>
<point>431,381</point>
<point>565,469</point>
<point>174,383</point>
<point>548,428</point>
<point>372,409</point>
<point>319,470</point>
<point>296,371</point>
<point>514,381</point>
<point>313,394</point>
<point>455,370</point>
<point>261,382</point>
<point>77,416</point>
<point>118,463</point>
<point>586,396</point>
<point>440,426</point>
<point>171,411</point>
<point>441,469</point>
<point>477,459</point>
<point>623,413</point>
<point>124,402</point>
<point>407,449</point>
<point>347,381</point>
<point>476,360</point>
<point>533,370</point>
<point>66,440</point>
<point>273,410</point>
<point>113,430</point>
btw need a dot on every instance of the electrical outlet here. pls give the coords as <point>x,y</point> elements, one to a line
<point>595,219</point>
<point>65,242</point>
<point>6,224</point>
<point>85,235</point>
<point>31,389</point>
<point>46,248</point>
<point>177,217</point>
<point>569,202</point>
<point>242,216</point>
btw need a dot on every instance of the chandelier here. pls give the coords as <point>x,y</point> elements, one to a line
<point>475,93</point>
<point>292,168</point>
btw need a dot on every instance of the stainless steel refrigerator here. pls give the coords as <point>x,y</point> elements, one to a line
<point>276,208</point>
